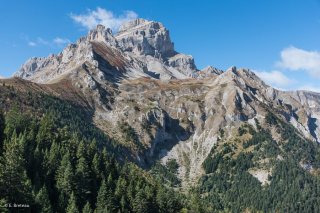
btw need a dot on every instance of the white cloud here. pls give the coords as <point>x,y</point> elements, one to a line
<point>32,44</point>
<point>275,78</point>
<point>42,41</point>
<point>295,59</point>
<point>61,41</point>
<point>102,16</point>
<point>57,42</point>
<point>310,88</point>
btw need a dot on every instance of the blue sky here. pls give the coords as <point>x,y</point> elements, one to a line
<point>279,39</point>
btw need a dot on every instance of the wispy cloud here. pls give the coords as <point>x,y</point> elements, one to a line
<point>1,77</point>
<point>310,88</point>
<point>102,16</point>
<point>32,44</point>
<point>52,43</point>
<point>275,78</point>
<point>61,41</point>
<point>296,59</point>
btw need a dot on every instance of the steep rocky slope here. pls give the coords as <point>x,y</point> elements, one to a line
<point>155,101</point>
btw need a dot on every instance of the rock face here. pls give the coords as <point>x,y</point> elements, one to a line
<point>136,78</point>
<point>145,47</point>
<point>145,38</point>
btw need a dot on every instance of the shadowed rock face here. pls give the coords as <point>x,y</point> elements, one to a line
<point>135,78</point>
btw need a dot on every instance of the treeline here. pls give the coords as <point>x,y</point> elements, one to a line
<point>53,160</point>
<point>293,184</point>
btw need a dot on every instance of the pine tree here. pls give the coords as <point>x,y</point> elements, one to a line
<point>87,208</point>
<point>15,122</point>
<point>84,179</point>
<point>97,166</point>
<point>65,179</point>
<point>140,204</point>
<point>105,198</point>
<point>72,205</point>
<point>42,200</point>
<point>45,134</point>
<point>3,203</point>
<point>124,204</point>
<point>167,201</point>
<point>2,126</point>
<point>14,183</point>
<point>121,187</point>
<point>93,149</point>
<point>102,196</point>
<point>81,150</point>
<point>53,158</point>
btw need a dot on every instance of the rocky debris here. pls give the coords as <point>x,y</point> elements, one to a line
<point>261,175</point>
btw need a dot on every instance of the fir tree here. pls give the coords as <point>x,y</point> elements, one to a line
<point>65,179</point>
<point>87,208</point>
<point>72,205</point>
<point>2,126</point>
<point>84,180</point>
<point>42,200</point>
<point>140,203</point>
<point>14,183</point>
<point>105,199</point>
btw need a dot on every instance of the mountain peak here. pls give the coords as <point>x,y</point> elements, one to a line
<point>232,69</point>
<point>145,37</point>
<point>133,23</point>
<point>101,33</point>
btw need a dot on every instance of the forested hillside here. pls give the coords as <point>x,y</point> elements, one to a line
<point>291,164</point>
<point>54,160</point>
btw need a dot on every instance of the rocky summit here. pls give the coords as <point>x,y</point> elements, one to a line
<point>136,78</point>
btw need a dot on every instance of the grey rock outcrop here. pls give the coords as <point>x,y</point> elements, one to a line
<point>208,71</point>
<point>145,38</point>
<point>103,34</point>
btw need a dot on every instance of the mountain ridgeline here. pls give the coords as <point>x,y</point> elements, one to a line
<point>125,123</point>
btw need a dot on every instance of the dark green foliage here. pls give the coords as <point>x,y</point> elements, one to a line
<point>229,186</point>
<point>245,128</point>
<point>55,160</point>
<point>130,134</point>
<point>15,186</point>
<point>260,137</point>
<point>87,208</point>
<point>43,201</point>
<point>2,126</point>
<point>271,119</point>
<point>167,201</point>
<point>211,163</point>
<point>72,205</point>
<point>167,174</point>
<point>172,166</point>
